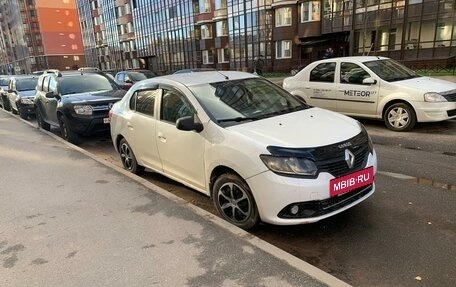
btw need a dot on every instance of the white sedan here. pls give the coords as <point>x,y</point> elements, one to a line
<point>259,152</point>
<point>377,88</point>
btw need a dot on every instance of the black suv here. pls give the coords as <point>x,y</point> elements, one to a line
<point>21,92</point>
<point>77,102</point>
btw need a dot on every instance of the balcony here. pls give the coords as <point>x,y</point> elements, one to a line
<point>220,14</point>
<point>123,20</point>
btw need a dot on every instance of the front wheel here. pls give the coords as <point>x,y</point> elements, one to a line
<point>234,201</point>
<point>400,117</point>
<point>128,158</point>
<point>67,133</point>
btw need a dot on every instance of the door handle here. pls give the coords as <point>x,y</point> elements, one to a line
<point>161,137</point>
<point>129,125</point>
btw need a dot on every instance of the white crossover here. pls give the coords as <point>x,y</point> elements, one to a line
<point>261,153</point>
<point>377,88</point>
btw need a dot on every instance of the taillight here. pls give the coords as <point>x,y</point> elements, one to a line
<point>110,114</point>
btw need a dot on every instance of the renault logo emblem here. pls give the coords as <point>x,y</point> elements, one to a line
<point>349,158</point>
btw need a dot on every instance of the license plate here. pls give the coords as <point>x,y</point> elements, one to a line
<point>351,181</point>
<point>106,120</point>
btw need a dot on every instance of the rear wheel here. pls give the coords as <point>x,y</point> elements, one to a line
<point>67,133</point>
<point>128,158</point>
<point>400,117</point>
<point>6,103</point>
<point>234,201</point>
<point>41,123</point>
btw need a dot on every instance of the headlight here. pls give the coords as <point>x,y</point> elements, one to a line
<point>27,101</point>
<point>434,97</point>
<point>290,165</point>
<point>83,110</point>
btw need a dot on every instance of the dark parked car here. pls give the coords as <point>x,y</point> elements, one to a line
<point>77,102</point>
<point>127,78</point>
<point>4,80</point>
<point>21,95</point>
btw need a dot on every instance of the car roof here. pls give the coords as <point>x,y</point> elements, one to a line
<point>192,79</point>
<point>361,59</point>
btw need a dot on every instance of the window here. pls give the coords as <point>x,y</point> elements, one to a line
<point>283,49</point>
<point>204,6</point>
<point>283,17</point>
<point>352,74</point>
<point>220,4</point>
<point>310,11</point>
<point>206,32</point>
<point>323,73</point>
<point>223,55</point>
<point>144,101</point>
<point>174,106</point>
<point>208,57</point>
<point>221,28</point>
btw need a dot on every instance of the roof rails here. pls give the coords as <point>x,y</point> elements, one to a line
<point>53,71</point>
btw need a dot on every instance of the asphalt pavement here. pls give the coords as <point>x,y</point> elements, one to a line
<point>68,218</point>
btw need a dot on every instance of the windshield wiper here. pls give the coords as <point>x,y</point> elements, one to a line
<point>238,119</point>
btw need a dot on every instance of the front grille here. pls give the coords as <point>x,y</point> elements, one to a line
<point>316,208</point>
<point>450,96</point>
<point>337,166</point>
<point>331,158</point>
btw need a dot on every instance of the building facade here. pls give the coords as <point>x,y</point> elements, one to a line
<point>169,35</point>
<point>39,34</point>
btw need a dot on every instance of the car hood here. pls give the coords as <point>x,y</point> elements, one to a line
<point>427,84</point>
<point>113,95</point>
<point>312,127</point>
<point>29,93</point>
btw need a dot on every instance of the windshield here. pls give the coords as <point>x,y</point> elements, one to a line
<point>85,83</point>
<point>136,76</point>
<point>244,100</point>
<point>26,84</point>
<point>390,70</point>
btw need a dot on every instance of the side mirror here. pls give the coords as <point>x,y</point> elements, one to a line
<point>369,81</point>
<point>50,95</point>
<point>188,124</point>
<point>128,80</point>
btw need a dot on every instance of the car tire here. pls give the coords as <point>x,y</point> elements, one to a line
<point>128,158</point>
<point>234,201</point>
<point>41,123</point>
<point>67,133</point>
<point>400,117</point>
<point>6,103</point>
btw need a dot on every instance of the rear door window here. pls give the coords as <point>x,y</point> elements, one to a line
<point>324,72</point>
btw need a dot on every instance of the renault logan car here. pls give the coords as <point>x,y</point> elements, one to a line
<point>258,151</point>
<point>377,88</point>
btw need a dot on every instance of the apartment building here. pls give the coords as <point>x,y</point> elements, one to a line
<point>39,34</point>
<point>168,35</point>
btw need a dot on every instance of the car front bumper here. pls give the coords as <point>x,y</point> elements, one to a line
<point>273,193</point>
<point>434,112</point>
<point>88,125</point>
